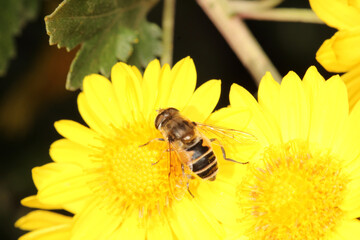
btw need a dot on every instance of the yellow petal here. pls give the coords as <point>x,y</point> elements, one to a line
<point>346,46</point>
<point>354,3</point>
<point>46,175</point>
<point>327,57</point>
<point>165,86</point>
<point>240,98</point>
<point>329,113</point>
<point>158,228</point>
<point>150,87</point>
<point>347,143</point>
<point>184,83</point>
<point>231,117</point>
<point>127,91</point>
<point>215,228</point>
<point>269,96</point>
<point>101,99</point>
<point>59,232</point>
<point>41,219</point>
<point>218,198</point>
<point>33,202</point>
<point>203,101</point>
<point>294,109</point>
<point>264,129</point>
<point>41,174</point>
<point>66,185</point>
<point>240,147</point>
<point>337,13</point>
<point>130,228</point>
<point>352,214</point>
<point>138,73</point>
<point>75,206</point>
<point>351,196</point>
<point>348,229</point>
<point>352,81</point>
<point>95,223</point>
<point>78,133</point>
<point>312,82</point>
<point>66,151</point>
<point>192,226</point>
<point>134,91</point>
<point>91,118</point>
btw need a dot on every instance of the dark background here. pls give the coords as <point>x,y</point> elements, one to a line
<point>33,96</point>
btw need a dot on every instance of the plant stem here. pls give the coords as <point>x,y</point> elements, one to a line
<point>168,20</point>
<point>240,39</point>
<point>246,5</point>
<point>281,14</point>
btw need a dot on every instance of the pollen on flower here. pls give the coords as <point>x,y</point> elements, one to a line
<point>133,176</point>
<point>295,194</point>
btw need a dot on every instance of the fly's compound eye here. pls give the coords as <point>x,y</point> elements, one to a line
<point>158,121</point>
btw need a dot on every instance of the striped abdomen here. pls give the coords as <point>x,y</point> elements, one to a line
<point>203,160</point>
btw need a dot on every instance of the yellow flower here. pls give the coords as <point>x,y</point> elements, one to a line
<point>45,225</point>
<point>304,183</point>
<point>341,53</point>
<point>118,189</point>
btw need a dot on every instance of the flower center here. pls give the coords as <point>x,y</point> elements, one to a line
<point>131,175</point>
<point>295,194</point>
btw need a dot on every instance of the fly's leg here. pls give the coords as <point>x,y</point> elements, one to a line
<point>188,182</point>
<point>189,190</point>
<point>177,197</point>
<point>166,150</point>
<point>224,153</point>
<point>154,139</point>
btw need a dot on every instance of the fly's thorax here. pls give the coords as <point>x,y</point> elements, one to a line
<point>179,129</point>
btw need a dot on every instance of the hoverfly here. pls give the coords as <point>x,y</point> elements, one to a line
<point>193,148</point>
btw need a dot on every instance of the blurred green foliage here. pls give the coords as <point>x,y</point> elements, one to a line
<point>13,16</point>
<point>108,31</point>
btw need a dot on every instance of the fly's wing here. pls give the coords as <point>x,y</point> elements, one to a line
<point>179,175</point>
<point>230,140</point>
<point>235,120</point>
<point>236,146</point>
<point>226,135</point>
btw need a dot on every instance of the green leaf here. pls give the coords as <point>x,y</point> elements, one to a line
<point>148,46</point>
<point>108,31</point>
<point>13,16</point>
